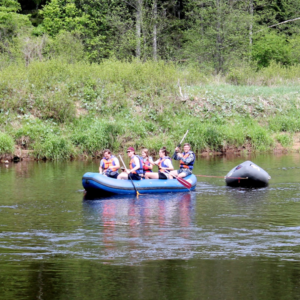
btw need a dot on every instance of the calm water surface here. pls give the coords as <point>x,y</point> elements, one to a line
<point>214,243</point>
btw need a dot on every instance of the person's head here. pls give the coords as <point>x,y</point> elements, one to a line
<point>130,151</point>
<point>145,153</point>
<point>107,153</point>
<point>186,147</point>
<point>163,152</point>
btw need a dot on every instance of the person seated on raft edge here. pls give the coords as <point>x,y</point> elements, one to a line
<point>109,165</point>
<point>147,162</point>
<point>164,163</point>
<point>136,166</point>
<point>187,160</point>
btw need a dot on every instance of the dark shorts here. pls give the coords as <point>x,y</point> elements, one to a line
<point>162,175</point>
<point>112,174</point>
<point>134,176</point>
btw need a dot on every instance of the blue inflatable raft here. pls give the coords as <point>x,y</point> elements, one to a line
<point>100,184</point>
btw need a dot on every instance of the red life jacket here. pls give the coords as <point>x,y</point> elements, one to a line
<point>146,165</point>
<point>109,164</point>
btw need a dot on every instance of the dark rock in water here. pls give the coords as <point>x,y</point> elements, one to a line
<point>247,174</point>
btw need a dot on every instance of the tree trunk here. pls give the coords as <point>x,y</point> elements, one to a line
<point>139,4</point>
<point>251,24</point>
<point>219,38</point>
<point>155,30</point>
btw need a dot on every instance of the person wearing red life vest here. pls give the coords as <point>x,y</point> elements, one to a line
<point>109,164</point>
<point>164,164</point>
<point>147,161</point>
<point>136,166</point>
<point>187,159</point>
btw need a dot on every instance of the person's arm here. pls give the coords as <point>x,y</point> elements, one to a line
<point>117,163</point>
<point>100,167</point>
<point>154,163</point>
<point>178,155</point>
<point>151,163</point>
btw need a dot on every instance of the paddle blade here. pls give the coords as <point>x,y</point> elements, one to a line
<point>184,182</point>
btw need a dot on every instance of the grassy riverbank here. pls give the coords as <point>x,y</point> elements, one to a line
<point>59,110</point>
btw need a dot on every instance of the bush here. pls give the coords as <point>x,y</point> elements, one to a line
<point>272,46</point>
<point>92,135</point>
<point>6,144</point>
<point>285,140</point>
<point>54,147</point>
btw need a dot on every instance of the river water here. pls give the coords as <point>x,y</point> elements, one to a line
<point>214,243</point>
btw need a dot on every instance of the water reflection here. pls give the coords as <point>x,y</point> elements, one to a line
<point>247,195</point>
<point>143,220</point>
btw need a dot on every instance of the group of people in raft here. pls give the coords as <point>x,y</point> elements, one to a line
<point>141,166</point>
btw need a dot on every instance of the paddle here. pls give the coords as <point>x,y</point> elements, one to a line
<point>137,193</point>
<point>182,181</point>
<point>179,145</point>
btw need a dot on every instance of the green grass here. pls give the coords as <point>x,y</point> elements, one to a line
<point>6,143</point>
<point>61,110</point>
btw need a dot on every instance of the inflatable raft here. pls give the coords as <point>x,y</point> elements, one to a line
<point>100,184</point>
<point>247,174</point>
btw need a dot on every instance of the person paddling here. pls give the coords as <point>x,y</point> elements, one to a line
<point>147,161</point>
<point>109,164</point>
<point>164,164</point>
<point>136,166</point>
<point>187,160</point>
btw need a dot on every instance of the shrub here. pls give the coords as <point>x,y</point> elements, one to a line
<point>285,140</point>
<point>6,144</point>
<point>54,147</point>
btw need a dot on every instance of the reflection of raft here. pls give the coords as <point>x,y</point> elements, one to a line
<point>97,183</point>
<point>256,176</point>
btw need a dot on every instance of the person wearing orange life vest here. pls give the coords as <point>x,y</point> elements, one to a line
<point>187,160</point>
<point>136,166</point>
<point>164,164</point>
<point>147,161</point>
<point>109,164</point>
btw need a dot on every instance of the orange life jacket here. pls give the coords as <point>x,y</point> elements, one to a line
<point>109,164</point>
<point>133,165</point>
<point>161,163</point>
<point>191,164</point>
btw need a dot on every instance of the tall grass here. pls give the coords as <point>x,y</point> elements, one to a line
<point>6,144</point>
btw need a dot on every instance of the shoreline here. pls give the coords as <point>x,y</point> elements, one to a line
<point>28,155</point>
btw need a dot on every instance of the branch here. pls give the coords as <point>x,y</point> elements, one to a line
<point>287,21</point>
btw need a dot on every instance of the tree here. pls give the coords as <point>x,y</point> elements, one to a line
<point>11,24</point>
<point>218,33</point>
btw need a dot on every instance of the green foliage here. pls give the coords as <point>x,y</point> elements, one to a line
<point>272,47</point>
<point>92,135</point>
<point>6,143</point>
<point>285,140</point>
<point>119,104</point>
<point>34,131</point>
<point>54,147</point>
<point>285,123</point>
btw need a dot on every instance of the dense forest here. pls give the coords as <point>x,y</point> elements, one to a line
<point>77,76</point>
<point>215,34</point>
